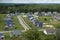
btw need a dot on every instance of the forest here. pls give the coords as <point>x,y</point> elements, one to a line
<point>5,8</point>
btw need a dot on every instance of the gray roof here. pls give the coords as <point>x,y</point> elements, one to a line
<point>7,18</point>
<point>50,30</point>
<point>17,32</point>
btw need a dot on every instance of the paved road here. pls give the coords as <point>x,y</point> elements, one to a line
<point>22,22</point>
<point>25,23</point>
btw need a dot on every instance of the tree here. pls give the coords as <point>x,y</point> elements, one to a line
<point>31,35</point>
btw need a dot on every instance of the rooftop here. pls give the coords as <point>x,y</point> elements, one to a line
<point>50,30</point>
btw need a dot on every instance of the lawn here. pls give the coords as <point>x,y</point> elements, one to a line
<point>7,37</point>
<point>56,24</point>
<point>2,22</point>
<point>47,37</point>
<point>17,24</point>
<point>42,18</point>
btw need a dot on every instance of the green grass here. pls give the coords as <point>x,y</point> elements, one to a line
<point>41,34</point>
<point>56,24</point>
<point>7,37</point>
<point>14,19</point>
<point>47,37</point>
<point>41,18</point>
<point>17,24</point>
<point>2,22</point>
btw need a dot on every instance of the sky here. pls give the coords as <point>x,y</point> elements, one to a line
<point>30,1</point>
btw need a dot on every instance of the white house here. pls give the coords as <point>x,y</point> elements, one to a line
<point>35,13</point>
<point>48,13</point>
<point>43,13</point>
<point>55,13</point>
<point>49,31</point>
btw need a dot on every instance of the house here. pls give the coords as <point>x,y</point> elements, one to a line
<point>1,36</point>
<point>29,16</point>
<point>57,17</point>
<point>9,23</point>
<point>49,31</point>
<point>35,13</point>
<point>7,19</point>
<point>55,13</point>
<point>10,15</point>
<point>43,13</point>
<point>48,13</point>
<point>17,13</point>
<point>6,28</point>
<point>22,13</point>
<point>16,33</point>
<point>35,22</point>
<point>31,19</point>
<point>40,24</point>
<point>39,14</point>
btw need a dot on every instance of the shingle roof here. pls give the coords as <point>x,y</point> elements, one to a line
<point>17,32</point>
<point>50,30</point>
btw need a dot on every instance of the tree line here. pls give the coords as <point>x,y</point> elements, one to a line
<point>29,8</point>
